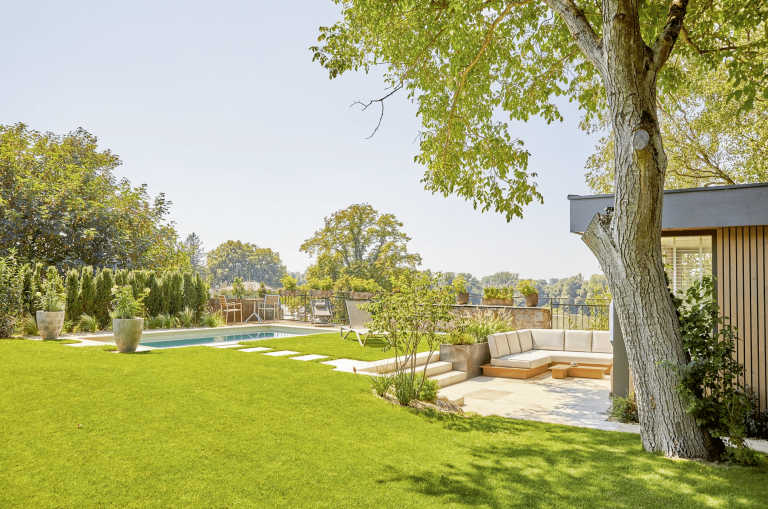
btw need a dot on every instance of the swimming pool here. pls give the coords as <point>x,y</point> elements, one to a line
<point>173,339</point>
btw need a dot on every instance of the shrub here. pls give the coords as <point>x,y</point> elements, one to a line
<point>11,303</point>
<point>429,388</point>
<point>73,306</point>
<point>459,284</point>
<point>167,321</point>
<point>320,284</point>
<point>125,305</point>
<point>262,290</point>
<point>289,283</point>
<point>756,422</point>
<point>213,319</point>
<point>478,326</point>
<point>494,292</point>
<point>29,325</point>
<point>104,283</point>
<point>186,317</point>
<point>404,388</point>
<point>88,323</point>
<point>460,338</point>
<point>52,299</point>
<point>526,287</point>
<point>238,290</point>
<point>154,322</point>
<point>624,409</point>
<point>173,292</point>
<point>87,291</point>
<point>381,384</point>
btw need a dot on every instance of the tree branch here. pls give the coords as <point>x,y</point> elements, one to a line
<point>588,41</point>
<point>381,101</point>
<point>662,48</point>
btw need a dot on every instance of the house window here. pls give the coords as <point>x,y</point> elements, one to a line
<point>687,260</point>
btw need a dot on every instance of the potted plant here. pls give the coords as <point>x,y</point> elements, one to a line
<point>363,289</point>
<point>50,318</point>
<point>460,288</point>
<point>494,296</point>
<point>289,286</point>
<point>127,325</point>
<point>320,288</point>
<point>527,288</point>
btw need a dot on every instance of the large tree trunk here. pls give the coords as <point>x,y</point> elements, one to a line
<point>627,242</point>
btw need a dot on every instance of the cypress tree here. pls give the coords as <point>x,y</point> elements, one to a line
<point>173,292</point>
<point>28,288</point>
<point>189,291</point>
<point>201,296</point>
<point>87,291</point>
<point>74,306</point>
<point>121,277</point>
<point>103,301</point>
<point>154,300</point>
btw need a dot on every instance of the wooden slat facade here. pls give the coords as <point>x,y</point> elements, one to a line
<point>740,258</point>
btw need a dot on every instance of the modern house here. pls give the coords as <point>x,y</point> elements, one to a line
<point>719,231</point>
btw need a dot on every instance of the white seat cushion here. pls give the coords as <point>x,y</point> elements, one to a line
<point>525,360</point>
<point>548,339</point>
<point>526,339</point>
<point>605,359</point>
<point>498,345</point>
<point>578,341</point>
<point>601,342</point>
<point>514,344</point>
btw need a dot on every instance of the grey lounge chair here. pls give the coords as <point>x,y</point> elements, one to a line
<point>271,304</point>
<point>358,319</point>
<point>321,311</point>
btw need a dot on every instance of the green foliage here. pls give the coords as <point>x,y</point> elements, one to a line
<point>87,291</point>
<point>354,284</point>
<point>201,296</point>
<point>52,299</point>
<point>125,305</point>
<point>186,318</point>
<point>492,292</point>
<point>711,380</point>
<point>247,261</point>
<point>624,409</point>
<point>173,292</point>
<point>213,319</point>
<point>380,384</point>
<point>88,323</point>
<point>238,290</point>
<point>476,327</point>
<point>28,289</point>
<point>262,291</point>
<point>325,283</point>
<point>61,205</point>
<point>154,322</point>
<point>73,305</point>
<point>429,388</point>
<point>459,284</point>
<point>102,303</point>
<point>526,287</point>
<point>288,282</point>
<point>360,242</point>
<point>193,247</point>
<point>410,316</point>
<point>11,298</point>
<point>756,422</point>
<point>29,326</point>
<point>155,300</point>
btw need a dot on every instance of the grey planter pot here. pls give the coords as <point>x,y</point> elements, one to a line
<point>467,358</point>
<point>49,323</point>
<point>127,333</point>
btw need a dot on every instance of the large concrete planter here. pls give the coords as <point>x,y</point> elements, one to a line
<point>532,300</point>
<point>361,295</point>
<point>462,298</point>
<point>467,358</point>
<point>321,294</point>
<point>49,323</point>
<point>498,302</point>
<point>127,333</point>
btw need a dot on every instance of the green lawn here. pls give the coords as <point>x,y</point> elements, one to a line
<point>205,427</point>
<point>331,345</point>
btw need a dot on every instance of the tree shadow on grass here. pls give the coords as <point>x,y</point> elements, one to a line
<point>511,463</point>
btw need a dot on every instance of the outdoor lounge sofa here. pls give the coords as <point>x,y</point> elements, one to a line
<point>529,352</point>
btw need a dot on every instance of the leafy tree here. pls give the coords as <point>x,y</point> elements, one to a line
<point>473,285</point>
<point>360,242</point>
<point>247,261</point>
<point>464,63</point>
<point>500,279</point>
<point>60,204</point>
<point>193,246</point>
<point>708,139</point>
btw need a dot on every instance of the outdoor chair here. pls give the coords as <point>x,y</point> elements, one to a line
<point>321,311</point>
<point>358,319</point>
<point>230,307</point>
<point>271,304</point>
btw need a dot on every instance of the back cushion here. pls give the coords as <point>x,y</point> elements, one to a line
<point>578,340</point>
<point>498,345</point>
<point>601,342</point>
<point>514,344</point>
<point>548,339</point>
<point>526,339</point>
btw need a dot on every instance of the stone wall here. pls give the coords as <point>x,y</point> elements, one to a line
<point>521,317</point>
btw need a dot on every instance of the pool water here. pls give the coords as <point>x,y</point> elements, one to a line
<point>169,343</point>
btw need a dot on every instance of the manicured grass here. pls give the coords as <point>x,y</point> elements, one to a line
<point>332,345</point>
<point>206,427</point>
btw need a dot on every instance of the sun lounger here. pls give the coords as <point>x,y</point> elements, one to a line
<point>321,311</point>
<point>358,319</point>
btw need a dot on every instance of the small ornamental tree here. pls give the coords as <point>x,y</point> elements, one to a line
<point>412,316</point>
<point>470,64</point>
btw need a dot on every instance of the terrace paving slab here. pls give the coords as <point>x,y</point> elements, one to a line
<point>280,353</point>
<point>348,365</point>
<point>256,349</point>
<point>310,357</point>
<point>233,345</point>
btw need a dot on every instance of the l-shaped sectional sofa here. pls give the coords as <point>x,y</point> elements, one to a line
<point>529,352</point>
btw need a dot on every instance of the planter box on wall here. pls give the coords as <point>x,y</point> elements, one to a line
<point>498,302</point>
<point>467,358</point>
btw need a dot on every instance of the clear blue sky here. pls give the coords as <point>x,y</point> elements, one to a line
<point>219,105</point>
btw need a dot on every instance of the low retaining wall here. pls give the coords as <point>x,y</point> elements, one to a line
<point>521,317</point>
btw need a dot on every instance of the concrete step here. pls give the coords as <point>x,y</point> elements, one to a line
<point>388,365</point>
<point>449,378</point>
<point>435,368</point>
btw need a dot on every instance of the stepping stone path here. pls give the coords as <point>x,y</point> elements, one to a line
<point>311,357</point>
<point>225,346</point>
<point>280,353</point>
<point>257,349</point>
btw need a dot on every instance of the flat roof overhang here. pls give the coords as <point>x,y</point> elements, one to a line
<point>689,209</point>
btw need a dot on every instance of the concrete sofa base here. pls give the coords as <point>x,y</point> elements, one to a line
<point>519,373</point>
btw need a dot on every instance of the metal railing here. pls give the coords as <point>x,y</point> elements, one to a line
<point>579,314</point>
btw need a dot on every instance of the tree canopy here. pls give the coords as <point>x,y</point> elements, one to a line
<point>247,261</point>
<point>193,246</point>
<point>360,242</point>
<point>61,205</point>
